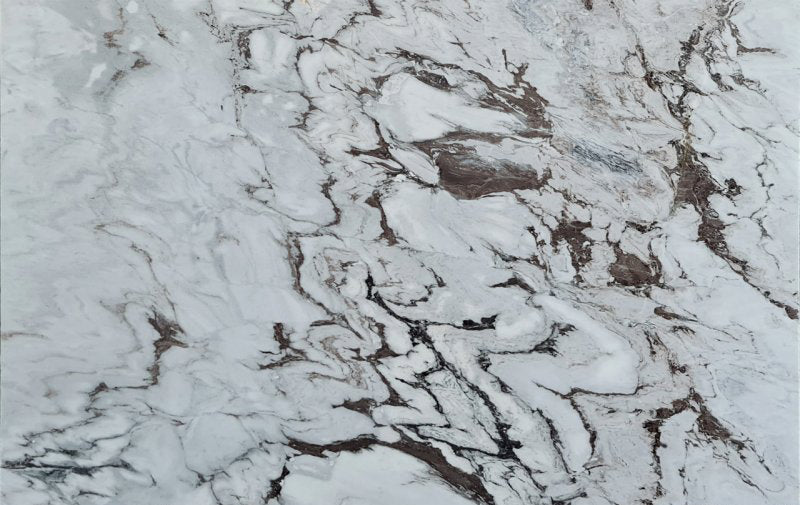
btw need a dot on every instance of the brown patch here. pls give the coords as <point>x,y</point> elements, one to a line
<point>580,249</point>
<point>675,368</point>
<point>280,336</point>
<point>373,9</point>
<point>289,358</point>
<point>695,186</point>
<point>167,330</point>
<point>462,172</point>
<point>381,152</point>
<point>140,62</point>
<point>467,483</point>
<point>162,32</point>
<point>677,407</point>
<point>662,312</point>
<point>276,486</point>
<point>310,109</point>
<point>323,322</point>
<point>653,426</point>
<point>711,233</point>
<point>290,354</point>
<point>550,344</point>
<point>466,175</point>
<point>732,188</point>
<point>101,388</point>
<point>710,426</point>
<point>515,281</point>
<point>243,45</point>
<point>707,424</point>
<point>387,232</point>
<point>294,253</point>
<point>740,48</point>
<point>641,227</point>
<point>629,270</point>
<point>384,351</point>
<point>790,311</point>
<point>362,406</point>
<point>111,37</point>
<point>486,323</point>
<point>434,80</point>
<point>326,192</point>
<point>354,445</point>
<point>519,99</point>
<point>470,177</point>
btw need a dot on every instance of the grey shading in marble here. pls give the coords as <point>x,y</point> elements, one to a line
<point>374,252</point>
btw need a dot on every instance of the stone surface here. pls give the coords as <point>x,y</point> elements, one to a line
<point>319,252</point>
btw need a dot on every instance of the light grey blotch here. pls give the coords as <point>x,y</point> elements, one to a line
<point>601,157</point>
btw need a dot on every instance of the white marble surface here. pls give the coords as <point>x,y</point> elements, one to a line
<point>373,252</point>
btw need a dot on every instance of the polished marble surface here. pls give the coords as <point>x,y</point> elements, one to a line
<point>374,252</point>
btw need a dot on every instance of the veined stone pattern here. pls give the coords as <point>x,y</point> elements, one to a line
<point>400,252</point>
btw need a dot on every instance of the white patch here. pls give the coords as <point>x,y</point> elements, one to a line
<point>97,71</point>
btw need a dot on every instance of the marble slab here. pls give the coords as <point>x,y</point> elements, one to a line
<point>400,252</point>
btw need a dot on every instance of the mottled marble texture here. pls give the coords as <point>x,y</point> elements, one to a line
<point>374,252</point>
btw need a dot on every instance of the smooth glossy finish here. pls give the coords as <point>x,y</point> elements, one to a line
<point>408,252</point>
